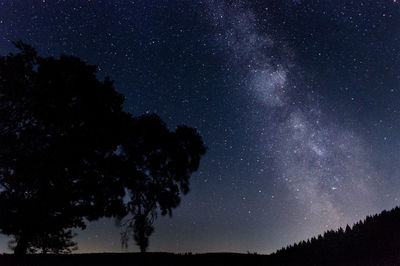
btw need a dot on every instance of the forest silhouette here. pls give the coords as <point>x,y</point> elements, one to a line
<point>372,241</point>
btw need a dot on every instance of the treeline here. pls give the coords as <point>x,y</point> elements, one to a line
<point>374,241</point>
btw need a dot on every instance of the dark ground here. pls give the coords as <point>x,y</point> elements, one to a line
<point>108,259</point>
<point>169,259</point>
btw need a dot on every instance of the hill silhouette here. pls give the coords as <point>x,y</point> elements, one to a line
<point>373,241</point>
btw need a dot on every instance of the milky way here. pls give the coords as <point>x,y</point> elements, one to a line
<point>326,167</point>
<point>297,101</point>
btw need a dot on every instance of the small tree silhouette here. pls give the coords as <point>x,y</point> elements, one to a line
<point>162,171</point>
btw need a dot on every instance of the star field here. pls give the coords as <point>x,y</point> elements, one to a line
<point>297,101</point>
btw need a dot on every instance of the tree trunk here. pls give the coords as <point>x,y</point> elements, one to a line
<point>140,233</point>
<point>22,246</point>
<point>143,248</point>
<point>143,241</point>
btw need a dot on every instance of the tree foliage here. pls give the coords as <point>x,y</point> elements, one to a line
<point>164,162</point>
<point>70,152</point>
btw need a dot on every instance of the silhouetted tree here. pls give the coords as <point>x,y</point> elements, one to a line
<point>69,152</point>
<point>57,123</point>
<point>164,162</point>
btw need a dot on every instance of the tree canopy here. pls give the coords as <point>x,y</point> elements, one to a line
<point>163,162</point>
<point>69,152</point>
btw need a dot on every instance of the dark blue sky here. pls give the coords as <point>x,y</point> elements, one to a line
<point>297,101</point>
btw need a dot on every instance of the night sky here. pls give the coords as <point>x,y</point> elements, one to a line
<point>298,102</point>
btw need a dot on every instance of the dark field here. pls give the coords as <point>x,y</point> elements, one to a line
<point>136,259</point>
<point>169,259</point>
